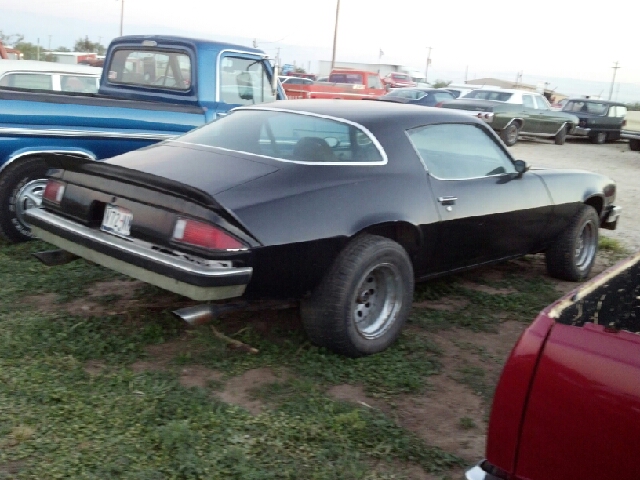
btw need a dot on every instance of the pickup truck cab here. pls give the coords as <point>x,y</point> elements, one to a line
<point>342,84</point>
<point>152,88</point>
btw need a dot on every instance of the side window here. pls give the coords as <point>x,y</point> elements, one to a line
<point>31,81</point>
<point>78,83</point>
<point>458,152</point>
<point>244,81</point>
<point>541,103</point>
<point>527,101</point>
<point>160,69</point>
<point>373,82</point>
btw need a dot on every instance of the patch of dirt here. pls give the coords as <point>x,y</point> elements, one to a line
<point>11,468</point>
<point>161,355</point>
<point>94,367</point>
<point>237,391</point>
<point>198,376</point>
<point>447,304</point>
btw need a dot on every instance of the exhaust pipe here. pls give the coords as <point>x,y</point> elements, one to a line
<point>52,258</point>
<point>202,314</point>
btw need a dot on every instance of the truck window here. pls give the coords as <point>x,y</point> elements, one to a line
<point>373,81</point>
<point>32,81</point>
<point>355,78</point>
<point>244,81</point>
<point>78,83</point>
<point>149,68</point>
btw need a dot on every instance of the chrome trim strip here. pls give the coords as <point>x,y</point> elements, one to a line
<point>362,128</point>
<point>83,133</point>
<point>561,127</point>
<point>90,156</point>
<point>513,120</point>
<point>125,246</point>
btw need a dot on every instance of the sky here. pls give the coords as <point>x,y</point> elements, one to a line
<point>573,48</point>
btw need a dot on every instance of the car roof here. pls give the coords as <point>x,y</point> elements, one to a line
<point>196,43</point>
<point>367,112</point>
<point>595,100</point>
<point>50,67</point>
<point>419,89</point>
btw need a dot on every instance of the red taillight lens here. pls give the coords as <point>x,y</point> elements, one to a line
<point>54,191</point>
<point>204,235</point>
<point>479,115</point>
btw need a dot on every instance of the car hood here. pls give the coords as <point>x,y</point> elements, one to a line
<point>188,164</point>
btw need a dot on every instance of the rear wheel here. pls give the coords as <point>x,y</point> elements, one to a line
<point>561,136</point>
<point>599,138</point>
<point>634,144</point>
<point>510,134</point>
<point>363,301</point>
<point>21,187</point>
<point>573,253</point>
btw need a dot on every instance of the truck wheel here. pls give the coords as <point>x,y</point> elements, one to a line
<point>599,138</point>
<point>363,301</point>
<point>634,144</point>
<point>574,251</point>
<point>510,135</point>
<point>21,188</point>
<point>561,136</point>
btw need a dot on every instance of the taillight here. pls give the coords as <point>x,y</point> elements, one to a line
<point>479,115</point>
<point>54,191</point>
<point>204,235</point>
<point>486,115</point>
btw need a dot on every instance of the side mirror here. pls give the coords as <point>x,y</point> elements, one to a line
<point>521,167</point>
<point>274,80</point>
<point>245,85</point>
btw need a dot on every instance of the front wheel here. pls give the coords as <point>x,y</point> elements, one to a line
<point>599,138</point>
<point>561,136</point>
<point>510,135</point>
<point>634,144</point>
<point>573,253</point>
<point>21,187</point>
<point>362,303</point>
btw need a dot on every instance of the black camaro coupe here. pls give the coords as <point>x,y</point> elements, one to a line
<point>343,205</point>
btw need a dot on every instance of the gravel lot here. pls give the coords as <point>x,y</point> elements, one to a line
<point>612,159</point>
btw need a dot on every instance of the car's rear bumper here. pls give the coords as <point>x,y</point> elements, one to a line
<point>580,131</point>
<point>196,278</point>
<point>611,217</point>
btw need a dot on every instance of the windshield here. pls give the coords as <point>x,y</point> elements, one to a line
<point>579,106</point>
<point>406,93</point>
<point>489,95</point>
<point>399,76</point>
<point>289,136</point>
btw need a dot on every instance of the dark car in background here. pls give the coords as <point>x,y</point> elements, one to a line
<point>343,205</point>
<point>428,97</point>
<point>600,120</point>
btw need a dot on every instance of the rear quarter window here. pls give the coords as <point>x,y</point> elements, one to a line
<point>31,81</point>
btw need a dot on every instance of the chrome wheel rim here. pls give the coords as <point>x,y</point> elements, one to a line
<point>29,196</point>
<point>586,245</point>
<point>377,301</point>
<point>512,133</point>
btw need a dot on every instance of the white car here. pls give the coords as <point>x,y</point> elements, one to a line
<point>36,75</point>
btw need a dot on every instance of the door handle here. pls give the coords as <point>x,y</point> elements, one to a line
<point>447,200</point>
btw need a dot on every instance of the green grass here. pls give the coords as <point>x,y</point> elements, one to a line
<point>607,244</point>
<point>58,421</point>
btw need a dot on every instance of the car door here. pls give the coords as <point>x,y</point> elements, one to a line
<point>547,120</point>
<point>530,115</point>
<point>487,211</point>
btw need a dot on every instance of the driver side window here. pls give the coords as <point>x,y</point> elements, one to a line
<point>459,151</point>
<point>244,81</point>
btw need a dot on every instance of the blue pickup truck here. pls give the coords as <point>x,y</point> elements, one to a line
<point>152,88</point>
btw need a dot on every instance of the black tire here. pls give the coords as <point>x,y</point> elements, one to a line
<point>573,253</point>
<point>329,315</point>
<point>15,179</point>
<point>634,144</point>
<point>599,138</point>
<point>561,136</point>
<point>509,135</point>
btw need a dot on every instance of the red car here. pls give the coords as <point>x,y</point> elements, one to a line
<point>398,80</point>
<point>567,405</point>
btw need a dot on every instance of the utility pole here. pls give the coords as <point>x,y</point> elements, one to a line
<point>615,67</point>
<point>121,15</point>
<point>335,36</point>
<point>38,57</point>
<point>426,69</point>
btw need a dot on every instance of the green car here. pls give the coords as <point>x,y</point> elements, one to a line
<point>517,112</point>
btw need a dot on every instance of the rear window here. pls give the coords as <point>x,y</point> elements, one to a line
<point>31,81</point>
<point>151,68</point>
<point>489,95</point>
<point>577,106</point>
<point>406,93</point>
<point>398,76</point>
<point>288,136</point>
<point>346,78</point>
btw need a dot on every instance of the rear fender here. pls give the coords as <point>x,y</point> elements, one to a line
<point>43,152</point>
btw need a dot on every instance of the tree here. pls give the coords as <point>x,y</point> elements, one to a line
<point>10,39</point>
<point>300,70</point>
<point>86,45</point>
<point>28,49</point>
<point>441,83</point>
<point>63,49</point>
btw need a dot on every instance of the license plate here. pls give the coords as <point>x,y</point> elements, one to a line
<point>117,220</point>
